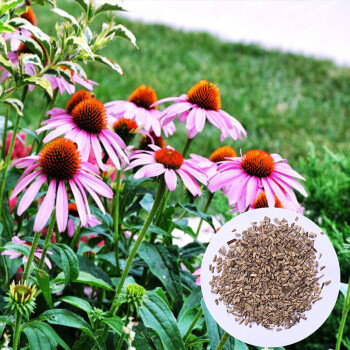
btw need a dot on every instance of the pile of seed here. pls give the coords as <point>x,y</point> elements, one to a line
<point>269,274</point>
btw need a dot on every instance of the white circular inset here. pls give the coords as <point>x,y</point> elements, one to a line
<point>258,335</point>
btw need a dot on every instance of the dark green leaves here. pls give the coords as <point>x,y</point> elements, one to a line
<point>163,263</point>
<point>44,283</point>
<point>41,336</point>
<point>108,7</point>
<point>156,314</point>
<point>192,209</point>
<point>70,264</point>
<point>78,302</point>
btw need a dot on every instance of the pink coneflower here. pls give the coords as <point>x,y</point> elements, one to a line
<point>139,108</point>
<point>85,122</point>
<point>169,162</point>
<point>200,103</point>
<point>59,165</point>
<point>73,212</point>
<point>244,178</point>
<point>209,165</point>
<point>16,255</point>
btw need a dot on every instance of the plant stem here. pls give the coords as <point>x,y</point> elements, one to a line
<point>346,309</point>
<point>223,341</point>
<point>76,236</point>
<point>9,154</point>
<point>31,255</point>
<point>159,215</point>
<point>193,323</point>
<point>122,337</point>
<point>134,249</point>
<point>47,240</point>
<point>116,223</point>
<point>187,147</point>
<point>210,197</point>
<point>4,136</point>
<point>17,331</point>
<point>43,114</point>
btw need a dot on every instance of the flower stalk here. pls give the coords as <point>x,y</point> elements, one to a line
<point>47,240</point>
<point>346,309</point>
<point>116,223</point>
<point>17,330</point>
<point>31,255</point>
<point>9,154</point>
<point>156,205</point>
<point>210,197</point>
<point>223,341</point>
<point>187,147</point>
<point>193,323</point>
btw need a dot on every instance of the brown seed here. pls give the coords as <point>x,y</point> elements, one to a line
<point>327,282</point>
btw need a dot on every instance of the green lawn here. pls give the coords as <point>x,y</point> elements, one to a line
<point>283,100</point>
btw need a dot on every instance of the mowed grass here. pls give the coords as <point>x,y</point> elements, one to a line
<point>283,100</point>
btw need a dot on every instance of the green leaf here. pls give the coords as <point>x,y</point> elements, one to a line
<point>78,302</point>
<point>70,265</point>
<point>18,248</point>
<point>41,336</point>
<point>67,318</point>
<point>16,104</point>
<point>147,202</point>
<point>191,250</point>
<point>115,323</point>
<point>6,64</point>
<point>82,4</point>
<point>108,7</point>
<point>163,263</point>
<point>85,278</point>
<point>215,332</point>
<point>124,33</point>
<point>44,283</point>
<point>6,28</point>
<point>3,321</point>
<point>109,62</point>
<point>191,208</point>
<point>186,319</point>
<point>34,47</point>
<point>40,82</point>
<point>106,219</point>
<point>8,5</point>
<point>156,314</point>
<point>39,35</point>
<point>81,43</point>
<point>67,17</point>
<point>193,300</point>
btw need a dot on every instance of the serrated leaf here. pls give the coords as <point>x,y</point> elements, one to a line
<point>215,332</point>
<point>41,336</point>
<point>70,265</point>
<point>44,283</point>
<point>108,7</point>
<point>85,278</point>
<point>16,104</point>
<point>40,82</point>
<point>78,302</point>
<point>156,314</point>
<point>67,318</point>
<point>115,323</point>
<point>68,17</point>
<point>164,265</point>
<point>124,33</point>
<point>109,62</point>
<point>193,209</point>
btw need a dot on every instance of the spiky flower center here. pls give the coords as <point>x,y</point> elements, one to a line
<point>60,159</point>
<point>90,115</point>
<point>206,95</point>
<point>261,202</point>
<point>22,293</point>
<point>146,141</point>
<point>126,129</point>
<point>135,293</point>
<point>79,96</point>
<point>258,163</point>
<point>29,16</point>
<point>144,96</point>
<point>222,153</point>
<point>170,158</point>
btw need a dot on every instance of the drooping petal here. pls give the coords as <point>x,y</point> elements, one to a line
<point>79,202</point>
<point>170,179</point>
<point>61,207</point>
